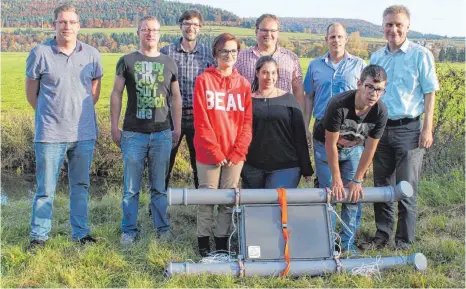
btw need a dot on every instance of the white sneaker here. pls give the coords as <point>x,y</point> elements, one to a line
<point>126,239</point>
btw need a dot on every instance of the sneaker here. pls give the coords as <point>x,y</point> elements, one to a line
<point>35,244</point>
<point>165,236</point>
<point>127,239</point>
<point>401,245</point>
<point>87,239</point>
<point>375,244</point>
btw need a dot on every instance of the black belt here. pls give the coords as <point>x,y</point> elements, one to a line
<point>401,121</point>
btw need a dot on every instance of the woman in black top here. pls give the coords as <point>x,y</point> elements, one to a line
<point>278,154</point>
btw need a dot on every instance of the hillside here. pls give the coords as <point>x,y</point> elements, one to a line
<point>107,14</point>
<point>125,13</point>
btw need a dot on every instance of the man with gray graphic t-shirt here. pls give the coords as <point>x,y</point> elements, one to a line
<point>151,81</point>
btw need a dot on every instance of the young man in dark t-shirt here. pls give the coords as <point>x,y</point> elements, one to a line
<point>151,82</point>
<point>345,141</point>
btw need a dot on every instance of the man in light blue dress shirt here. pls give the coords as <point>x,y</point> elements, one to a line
<point>412,83</point>
<point>333,73</point>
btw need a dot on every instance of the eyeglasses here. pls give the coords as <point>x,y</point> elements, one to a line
<point>189,24</point>
<point>268,30</point>
<point>155,31</point>
<point>225,52</point>
<point>64,22</point>
<point>378,90</point>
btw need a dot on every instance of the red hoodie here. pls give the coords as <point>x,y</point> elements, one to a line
<point>222,117</point>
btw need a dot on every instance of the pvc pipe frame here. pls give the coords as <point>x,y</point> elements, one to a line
<point>298,268</point>
<point>269,196</point>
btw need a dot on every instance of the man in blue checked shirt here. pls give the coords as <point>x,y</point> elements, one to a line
<point>192,58</point>
<point>412,83</point>
<point>335,72</point>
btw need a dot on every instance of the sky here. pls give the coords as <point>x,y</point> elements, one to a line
<point>442,17</point>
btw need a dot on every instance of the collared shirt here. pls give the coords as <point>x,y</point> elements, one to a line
<point>326,81</point>
<point>190,65</point>
<point>289,68</point>
<point>411,74</point>
<point>65,107</point>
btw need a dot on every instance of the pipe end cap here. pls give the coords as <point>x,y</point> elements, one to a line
<point>420,261</point>
<point>404,189</point>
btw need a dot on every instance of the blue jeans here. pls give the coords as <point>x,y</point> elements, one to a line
<point>49,159</point>
<point>348,162</point>
<point>255,178</point>
<point>136,147</point>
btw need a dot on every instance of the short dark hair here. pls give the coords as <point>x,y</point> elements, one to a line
<point>190,14</point>
<point>395,9</point>
<point>220,41</point>
<point>376,72</point>
<point>259,63</point>
<point>336,24</point>
<point>64,8</point>
<point>265,16</point>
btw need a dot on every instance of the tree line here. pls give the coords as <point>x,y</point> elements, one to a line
<point>105,14</point>
<point>23,40</point>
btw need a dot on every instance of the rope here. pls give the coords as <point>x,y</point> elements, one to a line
<point>369,270</point>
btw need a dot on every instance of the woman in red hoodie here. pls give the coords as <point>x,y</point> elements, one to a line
<point>223,131</point>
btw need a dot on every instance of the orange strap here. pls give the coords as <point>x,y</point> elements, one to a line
<point>284,206</point>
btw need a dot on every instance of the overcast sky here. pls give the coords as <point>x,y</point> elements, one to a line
<point>443,17</point>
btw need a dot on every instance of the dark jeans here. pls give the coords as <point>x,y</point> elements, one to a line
<point>255,178</point>
<point>398,158</point>
<point>188,131</point>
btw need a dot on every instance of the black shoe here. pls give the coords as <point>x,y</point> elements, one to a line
<point>221,244</point>
<point>375,244</point>
<point>35,244</point>
<point>402,245</point>
<point>87,239</point>
<point>204,246</point>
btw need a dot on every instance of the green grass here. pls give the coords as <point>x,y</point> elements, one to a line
<point>63,263</point>
<point>13,75</point>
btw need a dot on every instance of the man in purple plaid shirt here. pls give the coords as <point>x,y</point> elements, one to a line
<point>290,77</point>
<point>192,59</point>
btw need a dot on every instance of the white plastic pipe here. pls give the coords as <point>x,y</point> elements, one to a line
<point>270,196</point>
<point>298,268</point>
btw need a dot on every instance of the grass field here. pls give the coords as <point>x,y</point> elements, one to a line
<point>440,233</point>
<point>13,74</point>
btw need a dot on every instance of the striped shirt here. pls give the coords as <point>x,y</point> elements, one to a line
<point>190,65</point>
<point>289,69</point>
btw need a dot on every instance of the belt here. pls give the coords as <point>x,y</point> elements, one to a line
<point>188,111</point>
<point>401,121</point>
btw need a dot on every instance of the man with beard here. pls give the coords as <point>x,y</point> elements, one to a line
<point>192,58</point>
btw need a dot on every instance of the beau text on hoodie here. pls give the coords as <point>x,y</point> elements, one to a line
<point>217,101</point>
